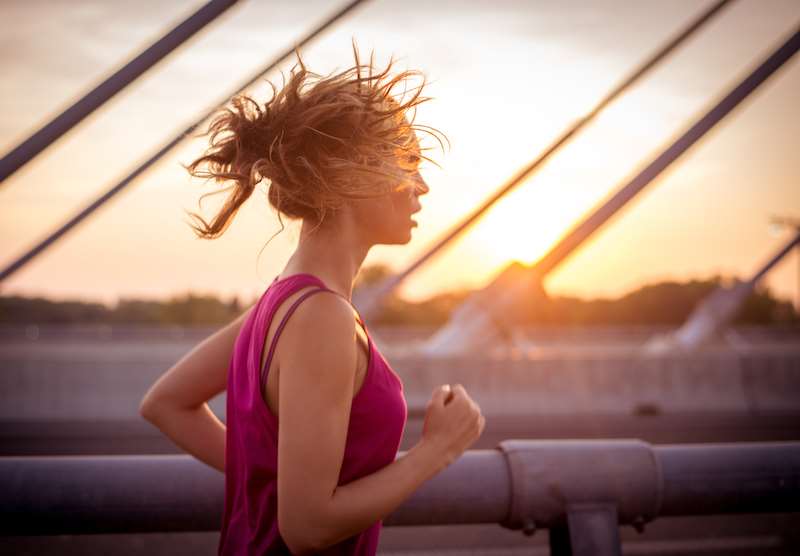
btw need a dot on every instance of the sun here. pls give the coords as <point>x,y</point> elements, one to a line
<point>522,226</point>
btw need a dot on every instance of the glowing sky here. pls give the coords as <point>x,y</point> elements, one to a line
<point>507,77</point>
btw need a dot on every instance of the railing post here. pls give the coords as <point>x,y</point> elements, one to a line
<point>582,488</point>
<point>593,530</point>
<point>559,540</point>
<point>589,530</point>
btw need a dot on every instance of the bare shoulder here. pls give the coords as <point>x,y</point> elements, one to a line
<point>322,326</point>
<point>323,310</point>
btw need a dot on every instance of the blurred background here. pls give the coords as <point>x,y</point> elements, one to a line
<point>89,324</point>
<point>506,77</point>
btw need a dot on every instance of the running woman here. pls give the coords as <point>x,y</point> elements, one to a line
<point>314,412</point>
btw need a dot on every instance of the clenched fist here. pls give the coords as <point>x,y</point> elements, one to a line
<point>453,421</point>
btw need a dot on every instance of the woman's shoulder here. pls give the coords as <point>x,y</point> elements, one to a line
<point>319,353</point>
<point>322,321</point>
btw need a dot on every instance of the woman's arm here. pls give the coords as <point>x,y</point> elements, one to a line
<point>176,402</point>
<point>317,362</point>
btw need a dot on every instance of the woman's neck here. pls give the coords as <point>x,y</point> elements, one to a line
<point>332,253</point>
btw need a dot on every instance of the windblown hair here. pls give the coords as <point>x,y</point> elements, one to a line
<point>320,141</point>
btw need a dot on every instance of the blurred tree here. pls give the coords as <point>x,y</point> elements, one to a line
<point>193,309</point>
<point>763,308</point>
<point>137,311</point>
<point>663,303</point>
<point>372,274</point>
<point>234,306</point>
<point>26,310</point>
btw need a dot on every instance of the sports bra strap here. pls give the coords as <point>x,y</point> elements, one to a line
<point>286,317</point>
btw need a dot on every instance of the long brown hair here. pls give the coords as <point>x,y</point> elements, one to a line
<point>319,141</point>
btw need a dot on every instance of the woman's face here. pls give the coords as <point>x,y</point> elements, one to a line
<point>388,219</point>
<point>405,202</point>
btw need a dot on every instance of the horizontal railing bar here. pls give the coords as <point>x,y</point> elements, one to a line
<point>730,478</point>
<point>520,482</point>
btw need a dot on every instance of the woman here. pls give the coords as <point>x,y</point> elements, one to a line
<point>314,412</point>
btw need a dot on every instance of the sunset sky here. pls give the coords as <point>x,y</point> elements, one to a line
<point>507,78</point>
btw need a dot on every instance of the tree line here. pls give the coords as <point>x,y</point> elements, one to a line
<point>662,303</point>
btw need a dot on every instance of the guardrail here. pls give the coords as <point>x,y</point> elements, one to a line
<point>581,490</point>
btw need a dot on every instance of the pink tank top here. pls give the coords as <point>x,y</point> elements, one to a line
<point>377,419</point>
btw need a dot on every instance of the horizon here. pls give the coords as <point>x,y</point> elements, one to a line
<point>724,281</point>
<point>707,214</point>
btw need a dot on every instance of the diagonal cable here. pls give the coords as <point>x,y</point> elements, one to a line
<point>384,289</point>
<point>94,205</point>
<point>72,116</point>
<point>575,237</point>
<point>467,322</point>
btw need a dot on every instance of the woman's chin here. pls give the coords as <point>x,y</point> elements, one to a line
<point>400,239</point>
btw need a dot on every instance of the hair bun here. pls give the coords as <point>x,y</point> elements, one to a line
<point>320,141</point>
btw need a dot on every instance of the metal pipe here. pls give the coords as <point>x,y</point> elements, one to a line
<point>97,203</point>
<point>55,495</point>
<point>549,476</point>
<point>730,478</point>
<point>448,500</point>
<point>113,84</point>
<point>525,484</point>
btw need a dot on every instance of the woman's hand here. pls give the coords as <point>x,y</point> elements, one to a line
<point>453,421</point>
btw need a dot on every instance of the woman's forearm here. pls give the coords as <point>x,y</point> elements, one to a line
<point>360,503</point>
<point>197,431</point>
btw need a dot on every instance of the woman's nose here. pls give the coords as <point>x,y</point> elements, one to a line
<point>416,206</point>
<point>421,187</point>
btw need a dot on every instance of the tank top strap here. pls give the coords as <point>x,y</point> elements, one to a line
<point>326,288</point>
<point>358,314</point>
<point>286,318</point>
<point>280,328</point>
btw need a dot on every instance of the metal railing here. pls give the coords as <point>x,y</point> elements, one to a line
<point>581,490</point>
